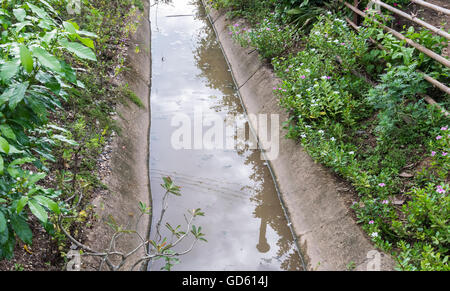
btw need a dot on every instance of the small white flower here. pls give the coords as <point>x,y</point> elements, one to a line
<point>303,135</point>
<point>329,12</point>
<point>320,131</point>
<point>333,139</point>
<point>308,70</point>
<point>308,126</point>
<point>323,77</point>
<point>351,153</point>
<point>374,234</point>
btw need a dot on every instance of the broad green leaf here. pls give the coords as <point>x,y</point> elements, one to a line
<point>36,177</point>
<point>13,172</point>
<point>19,26</point>
<point>21,161</point>
<point>3,239</point>
<point>80,84</point>
<point>26,58</point>
<point>7,131</point>
<point>65,139</point>
<point>4,145</point>
<point>2,165</point>
<point>20,14</point>
<point>70,28</point>
<point>21,204</point>
<point>47,202</point>
<point>87,42</point>
<point>49,7</point>
<point>38,11</point>
<point>3,225</point>
<point>17,94</point>
<point>14,150</point>
<point>38,210</point>
<point>14,94</point>
<point>49,36</point>
<point>87,33</point>
<point>46,59</point>
<point>21,228</point>
<point>7,245</point>
<point>9,70</point>
<point>55,127</point>
<point>78,49</point>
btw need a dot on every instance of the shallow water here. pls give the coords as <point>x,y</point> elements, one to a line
<point>244,222</point>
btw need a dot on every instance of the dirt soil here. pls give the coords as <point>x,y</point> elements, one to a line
<point>43,255</point>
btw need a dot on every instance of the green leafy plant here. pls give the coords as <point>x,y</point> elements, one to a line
<point>269,38</point>
<point>34,79</point>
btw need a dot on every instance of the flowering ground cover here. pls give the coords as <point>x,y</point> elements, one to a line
<point>359,111</point>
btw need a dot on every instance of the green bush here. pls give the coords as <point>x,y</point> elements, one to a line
<point>34,80</point>
<point>269,38</point>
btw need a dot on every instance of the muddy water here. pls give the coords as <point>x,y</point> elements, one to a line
<point>244,221</point>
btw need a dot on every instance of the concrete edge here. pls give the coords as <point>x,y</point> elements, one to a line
<point>129,181</point>
<point>328,236</point>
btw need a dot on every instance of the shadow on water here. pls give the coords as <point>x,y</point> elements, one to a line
<point>271,243</point>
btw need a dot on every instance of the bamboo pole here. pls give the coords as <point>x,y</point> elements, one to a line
<point>398,35</point>
<point>432,28</point>
<point>433,81</point>
<point>355,16</point>
<point>436,83</point>
<point>432,6</point>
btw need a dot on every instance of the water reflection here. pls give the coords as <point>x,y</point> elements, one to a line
<point>245,223</point>
<point>268,208</point>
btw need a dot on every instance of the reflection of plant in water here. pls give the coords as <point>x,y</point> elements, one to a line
<point>158,248</point>
<point>209,59</point>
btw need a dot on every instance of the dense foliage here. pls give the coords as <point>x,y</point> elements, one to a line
<point>379,135</point>
<point>34,80</point>
<point>58,90</point>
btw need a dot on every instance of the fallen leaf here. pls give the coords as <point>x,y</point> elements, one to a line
<point>27,249</point>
